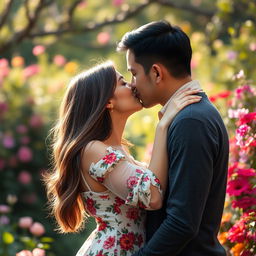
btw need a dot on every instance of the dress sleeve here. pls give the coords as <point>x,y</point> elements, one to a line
<point>128,181</point>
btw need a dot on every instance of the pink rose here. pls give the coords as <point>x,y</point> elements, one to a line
<point>25,154</point>
<point>31,70</point>
<point>39,49</point>
<point>25,222</point>
<point>103,38</point>
<point>37,229</point>
<point>21,129</point>
<point>38,252</point>
<point>24,177</point>
<point>8,141</point>
<point>59,60</point>
<point>24,253</point>
<point>36,121</point>
<point>117,2</point>
<point>4,208</point>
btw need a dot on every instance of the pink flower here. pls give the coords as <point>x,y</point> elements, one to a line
<point>31,70</point>
<point>231,55</point>
<point>252,46</point>
<point>59,60</point>
<point>25,140</point>
<point>238,113</point>
<point>117,2</point>
<point>248,118</point>
<point>244,203</point>
<point>4,63</point>
<point>103,38</point>
<point>3,108</point>
<point>238,186</point>
<point>21,129</point>
<point>38,252</point>
<point>25,154</point>
<point>39,49</point>
<point>4,68</point>
<point>37,229</point>
<point>109,242</point>
<point>4,220</point>
<point>8,141</point>
<point>237,233</point>
<point>25,222</point>
<point>246,172</point>
<point>4,208</point>
<point>24,177</point>
<point>24,253</point>
<point>243,130</point>
<point>132,181</point>
<point>36,121</point>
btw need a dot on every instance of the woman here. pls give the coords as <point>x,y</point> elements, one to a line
<point>93,172</point>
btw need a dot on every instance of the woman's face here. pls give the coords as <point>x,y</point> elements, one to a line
<point>124,100</point>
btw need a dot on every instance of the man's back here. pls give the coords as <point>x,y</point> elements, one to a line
<point>198,158</point>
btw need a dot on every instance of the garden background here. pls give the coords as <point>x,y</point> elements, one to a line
<point>43,43</point>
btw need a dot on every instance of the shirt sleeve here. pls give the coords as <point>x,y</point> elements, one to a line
<point>128,181</point>
<point>191,149</point>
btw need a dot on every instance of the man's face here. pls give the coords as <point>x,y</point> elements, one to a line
<point>142,84</point>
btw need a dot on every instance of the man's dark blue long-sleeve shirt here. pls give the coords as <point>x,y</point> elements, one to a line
<point>198,150</point>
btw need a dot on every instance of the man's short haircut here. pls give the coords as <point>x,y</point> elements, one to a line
<point>159,42</point>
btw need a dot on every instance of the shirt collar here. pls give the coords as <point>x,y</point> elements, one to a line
<point>194,84</point>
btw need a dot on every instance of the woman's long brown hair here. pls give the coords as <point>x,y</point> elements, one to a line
<point>83,117</point>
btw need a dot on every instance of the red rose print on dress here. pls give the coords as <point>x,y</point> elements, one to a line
<point>90,206</point>
<point>109,243</point>
<point>110,158</point>
<point>127,241</point>
<point>132,181</point>
<point>132,213</point>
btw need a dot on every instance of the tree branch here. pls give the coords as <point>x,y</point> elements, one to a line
<point>32,19</point>
<point>121,17</point>
<point>186,7</point>
<point>5,13</point>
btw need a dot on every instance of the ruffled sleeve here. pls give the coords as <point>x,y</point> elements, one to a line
<point>129,181</point>
<point>99,170</point>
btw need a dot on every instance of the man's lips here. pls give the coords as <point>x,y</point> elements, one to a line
<point>137,95</point>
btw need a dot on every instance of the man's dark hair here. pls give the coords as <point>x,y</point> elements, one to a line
<point>161,42</point>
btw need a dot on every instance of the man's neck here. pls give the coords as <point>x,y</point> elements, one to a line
<point>173,86</point>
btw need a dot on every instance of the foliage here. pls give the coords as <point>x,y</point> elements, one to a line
<point>238,230</point>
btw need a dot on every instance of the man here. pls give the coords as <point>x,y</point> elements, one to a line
<point>159,56</point>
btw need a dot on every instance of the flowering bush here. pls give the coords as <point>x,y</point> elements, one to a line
<point>20,234</point>
<point>238,229</point>
<point>26,114</point>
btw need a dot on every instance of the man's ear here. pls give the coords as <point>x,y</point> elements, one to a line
<point>157,73</point>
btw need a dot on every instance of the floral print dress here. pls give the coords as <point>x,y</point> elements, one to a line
<point>120,211</point>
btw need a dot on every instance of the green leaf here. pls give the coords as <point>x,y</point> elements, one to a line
<point>46,240</point>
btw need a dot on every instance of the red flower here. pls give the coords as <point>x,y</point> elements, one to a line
<point>100,253</point>
<point>237,233</point>
<point>157,181</point>
<point>224,94</point>
<point>90,206</point>
<point>104,197</point>
<point>127,241</point>
<point>132,181</point>
<point>101,224</point>
<point>139,240</point>
<point>110,158</point>
<point>246,172</point>
<point>139,171</point>
<point>109,243</point>
<point>119,201</point>
<point>117,209</point>
<point>244,203</point>
<point>132,213</point>
<point>238,186</point>
<point>100,179</point>
<point>247,118</point>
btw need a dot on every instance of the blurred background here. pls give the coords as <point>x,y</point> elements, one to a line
<point>43,43</point>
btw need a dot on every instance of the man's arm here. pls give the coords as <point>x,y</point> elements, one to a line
<point>191,148</point>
